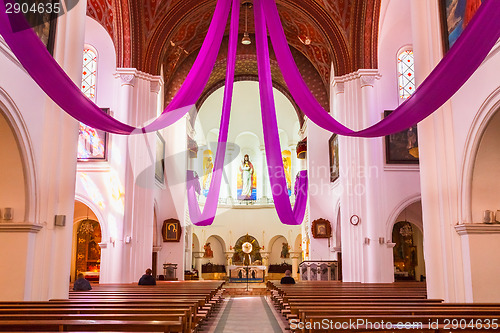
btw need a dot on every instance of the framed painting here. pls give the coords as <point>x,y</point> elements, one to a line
<point>401,147</point>
<point>44,22</point>
<point>455,16</point>
<point>333,150</point>
<point>92,143</point>
<point>321,228</point>
<point>160,158</point>
<point>171,230</point>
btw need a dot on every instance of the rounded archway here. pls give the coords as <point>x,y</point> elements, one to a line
<point>12,174</point>
<point>86,249</point>
<point>486,175</point>
<point>407,238</point>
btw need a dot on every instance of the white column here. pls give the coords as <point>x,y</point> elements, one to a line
<point>438,170</point>
<point>229,261</point>
<point>265,262</point>
<point>198,257</point>
<point>50,258</point>
<point>295,264</point>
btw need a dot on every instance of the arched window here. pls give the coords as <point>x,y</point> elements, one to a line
<point>406,74</point>
<point>89,72</point>
<point>91,142</point>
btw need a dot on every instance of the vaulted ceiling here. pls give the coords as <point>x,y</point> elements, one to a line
<point>151,34</point>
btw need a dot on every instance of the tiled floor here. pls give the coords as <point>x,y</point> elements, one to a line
<point>245,314</point>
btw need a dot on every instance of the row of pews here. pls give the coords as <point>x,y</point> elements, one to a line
<point>180,306</point>
<point>328,306</point>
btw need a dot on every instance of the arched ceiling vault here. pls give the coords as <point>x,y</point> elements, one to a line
<point>151,33</point>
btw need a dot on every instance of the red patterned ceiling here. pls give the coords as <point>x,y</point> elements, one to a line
<point>152,33</point>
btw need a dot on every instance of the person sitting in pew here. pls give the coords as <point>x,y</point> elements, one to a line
<point>81,283</point>
<point>147,279</point>
<point>287,279</point>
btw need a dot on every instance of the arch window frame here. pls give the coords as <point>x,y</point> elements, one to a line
<point>405,69</point>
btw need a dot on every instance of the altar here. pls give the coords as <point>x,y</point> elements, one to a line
<point>238,273</point>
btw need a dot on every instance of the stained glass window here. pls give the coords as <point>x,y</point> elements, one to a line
<point>89,72</point>
<point>91,142</point>
<point>406,74</point>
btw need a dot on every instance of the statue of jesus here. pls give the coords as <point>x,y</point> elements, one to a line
<point>246,170</point>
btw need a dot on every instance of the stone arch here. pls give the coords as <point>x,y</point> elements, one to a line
<point>86,211</point>
<point>17,125</point>
<point>479,125</point>
<point>398,209</point>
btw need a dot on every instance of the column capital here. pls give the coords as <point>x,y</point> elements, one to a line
<point>127,76</point>
<point>338,87</point>
<point>155,86</point>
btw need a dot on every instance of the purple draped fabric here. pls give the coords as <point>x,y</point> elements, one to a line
<point>34,57</point>
<point>286,214</point>
<point>450,74</point>
<point>208,215</point>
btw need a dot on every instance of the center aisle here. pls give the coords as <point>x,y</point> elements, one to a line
<point>247,314</point>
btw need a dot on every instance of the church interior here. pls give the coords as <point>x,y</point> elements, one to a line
<point>222,144</point>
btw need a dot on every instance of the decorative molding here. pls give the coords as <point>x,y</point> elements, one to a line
<point>477,228</point>
<point>367,77</point>
<point>129,75</point>
<point>402,167</point>
<point>338,87</point>
<point>127,79</point>
<point>93,166</point>
<point>103,245</point>
<point>367,81</point>
<point>156,248</point>
<point>156,86</point>
<point>20,227</point>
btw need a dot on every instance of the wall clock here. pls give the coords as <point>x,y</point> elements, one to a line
<point>355,220</point>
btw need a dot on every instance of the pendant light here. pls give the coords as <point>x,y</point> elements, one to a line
<point>246,37</point>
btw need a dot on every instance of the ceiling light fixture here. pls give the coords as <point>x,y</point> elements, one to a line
<point>246,37</point>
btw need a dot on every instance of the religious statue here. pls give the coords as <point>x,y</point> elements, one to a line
<point>284,251</point>
<point>207,172</point>
<point>208,251</point>
<point>246,170</point>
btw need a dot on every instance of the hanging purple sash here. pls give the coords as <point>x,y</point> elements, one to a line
<point>450,74</point>
<point>47,73</point>
<point>286,214</point>
<point>210,208</point>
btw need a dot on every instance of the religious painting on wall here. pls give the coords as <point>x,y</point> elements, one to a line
<point>402,147</point>
<point>208,166</point>
<point>333,150</point>
<point>171,230</point>
<point>246,180</point>
<point>44,21</point>
<point>455,16</point>
<point>287,168</point>
<point>285,250</point>
<point>160,158</point>
<point>208,252</point>
<point>321,228</point>
<point>92,143</point>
